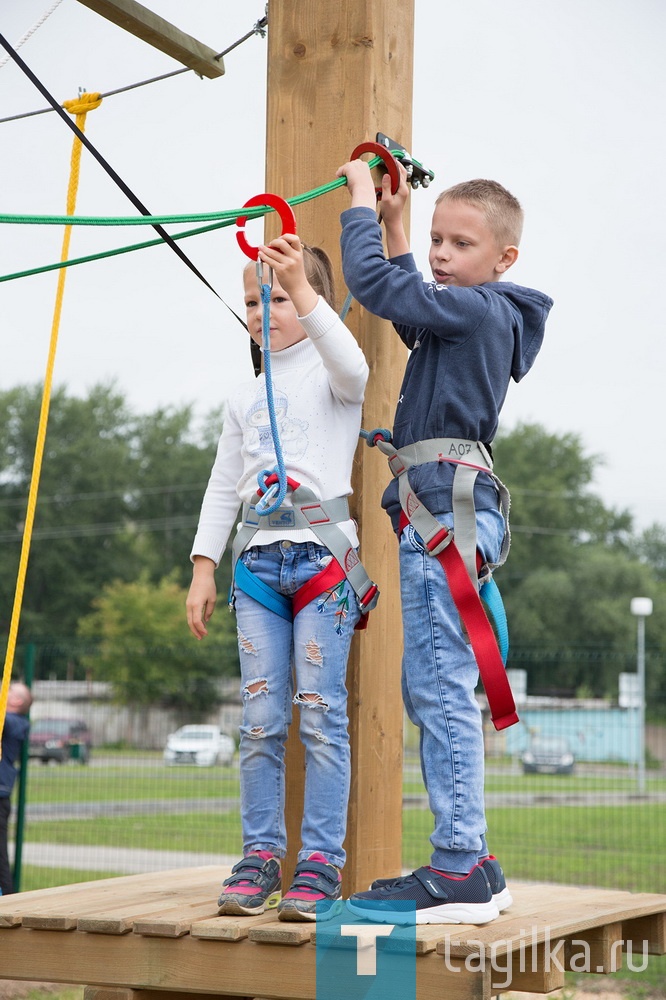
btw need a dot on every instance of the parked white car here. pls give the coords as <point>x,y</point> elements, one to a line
<point>200,745</point>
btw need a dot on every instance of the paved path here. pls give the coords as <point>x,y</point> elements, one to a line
<point>119,860</point>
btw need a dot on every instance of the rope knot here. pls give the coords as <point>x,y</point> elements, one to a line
<point>83,103</point>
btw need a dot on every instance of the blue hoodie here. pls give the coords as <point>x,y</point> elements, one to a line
<point>466,344</point>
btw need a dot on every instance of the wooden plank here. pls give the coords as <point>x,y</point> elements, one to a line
<point>121,918</point>
<point>540,973</point>
<point>151,28</point>
<point>228,928</point>
<point>277,932</point>
<point>12,908</point>
<point>65,907</point>
<point>338,72</point>
<point>184,964</point>
<point>103,993</point>
<point>645,934</point>
<point>597,950</point>
<point>562,912</point>
<point>175,921</point>
<point>435,980</point>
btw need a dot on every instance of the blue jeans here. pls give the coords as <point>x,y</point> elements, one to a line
<point>439,675</point>
<point>304,662</point>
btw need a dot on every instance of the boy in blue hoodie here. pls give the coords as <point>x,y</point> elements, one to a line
<point>469,334</point>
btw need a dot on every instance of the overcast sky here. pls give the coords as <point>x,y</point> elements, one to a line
<point>563,102</point>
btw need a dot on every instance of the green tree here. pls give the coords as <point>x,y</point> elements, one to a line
<point>80,535</point>
<point>651,547</point>
<point>553,508</point>
<point>138,642</point>
<point>119,496</point>
<point>573,568</point>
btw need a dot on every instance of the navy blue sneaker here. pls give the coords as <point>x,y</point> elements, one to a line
<point>438,899</point>
<point>498,886</point>
<point>491,866</point>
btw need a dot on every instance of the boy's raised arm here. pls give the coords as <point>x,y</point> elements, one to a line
<point>363,195</point>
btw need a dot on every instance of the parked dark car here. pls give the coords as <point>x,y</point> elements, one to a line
<point>548,755</point>
<point>60,740</point>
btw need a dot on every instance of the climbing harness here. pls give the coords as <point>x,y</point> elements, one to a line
<point>469,581</point>
<point>323,518</point>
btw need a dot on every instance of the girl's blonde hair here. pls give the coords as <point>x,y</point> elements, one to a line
<point>319,272</point>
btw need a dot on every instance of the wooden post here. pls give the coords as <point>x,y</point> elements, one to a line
<point>339,71</point>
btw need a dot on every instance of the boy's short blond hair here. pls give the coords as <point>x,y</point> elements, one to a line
<point>503,212</point>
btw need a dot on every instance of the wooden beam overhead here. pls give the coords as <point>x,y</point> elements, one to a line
<point>140,21</point>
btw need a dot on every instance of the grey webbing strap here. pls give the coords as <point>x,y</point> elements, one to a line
<point>464,517</point>
<point>306,512</point>
<point>436,450</point>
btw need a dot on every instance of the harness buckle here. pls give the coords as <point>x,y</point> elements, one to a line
<point>439,541</point>
<point>369,599</point>
<point>396,465</point>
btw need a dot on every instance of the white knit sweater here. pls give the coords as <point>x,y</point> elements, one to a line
<point>318,387</point>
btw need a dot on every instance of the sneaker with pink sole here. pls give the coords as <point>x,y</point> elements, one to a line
<point>253,886</point>
<point>314,891</point>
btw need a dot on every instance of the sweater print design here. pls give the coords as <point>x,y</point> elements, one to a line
<point>292,431</point>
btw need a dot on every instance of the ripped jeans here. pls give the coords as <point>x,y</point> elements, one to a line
<point>316,645</point>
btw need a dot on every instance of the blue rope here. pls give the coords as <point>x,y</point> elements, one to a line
<point>346,306</point>
<point>279,489</point>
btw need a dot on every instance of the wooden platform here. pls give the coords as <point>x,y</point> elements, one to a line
<point>149,937</point>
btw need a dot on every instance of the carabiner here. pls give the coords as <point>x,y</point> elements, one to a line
<point>259,266</point>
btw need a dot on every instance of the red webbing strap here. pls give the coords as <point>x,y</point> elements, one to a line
<point>481,636</point>
<point>330,576</point>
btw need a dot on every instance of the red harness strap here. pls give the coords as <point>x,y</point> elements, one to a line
<point>330,576</point>
<point>479,630</point>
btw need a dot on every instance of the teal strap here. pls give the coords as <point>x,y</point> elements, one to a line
<point>492,599</point>
<point>251,585</point>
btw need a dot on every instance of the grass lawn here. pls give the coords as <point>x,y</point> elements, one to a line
<point>117,783</point>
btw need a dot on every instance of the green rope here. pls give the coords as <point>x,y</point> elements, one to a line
<point>226,218</point>
<point>110,253</point>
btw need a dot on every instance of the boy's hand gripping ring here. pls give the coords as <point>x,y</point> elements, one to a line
<point>390,162</point>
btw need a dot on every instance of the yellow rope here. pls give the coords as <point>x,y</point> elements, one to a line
<point>80,108</point>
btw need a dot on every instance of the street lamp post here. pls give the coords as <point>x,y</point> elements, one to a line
<point>641,608</point>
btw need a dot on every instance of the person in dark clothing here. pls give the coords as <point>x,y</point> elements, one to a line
<point>14,733</point>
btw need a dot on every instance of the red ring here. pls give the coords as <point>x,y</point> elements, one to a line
<point>282,207</point>
<point>390,162</point>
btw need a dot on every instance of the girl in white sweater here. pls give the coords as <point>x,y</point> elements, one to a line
<point>319,375</point>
